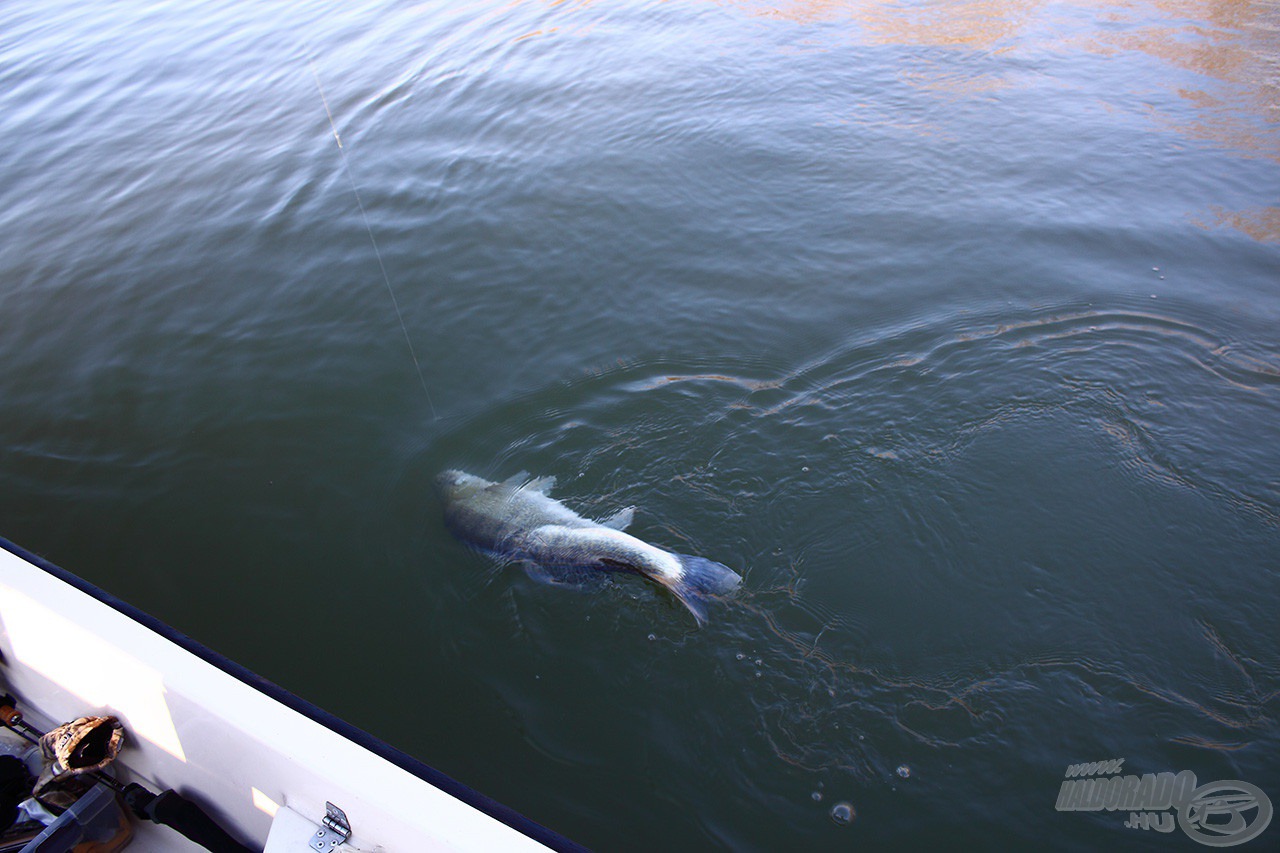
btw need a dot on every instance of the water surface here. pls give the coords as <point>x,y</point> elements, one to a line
<point>951,326</point>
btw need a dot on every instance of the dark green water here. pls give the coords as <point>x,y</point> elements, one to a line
<point>952,327</point>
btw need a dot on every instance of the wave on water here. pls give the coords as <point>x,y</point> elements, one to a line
<point>958,536</point>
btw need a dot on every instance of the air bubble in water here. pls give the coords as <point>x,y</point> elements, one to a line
<point>904,771</point>
<point>843,813</point>
<point>740,656</point>
<point>653,637</point>
<point>817,796</point>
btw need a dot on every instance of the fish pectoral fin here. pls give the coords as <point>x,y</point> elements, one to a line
<point>620,520</point>
<point>617,565</point>
<point>536,572</point>
<point>569,577</point>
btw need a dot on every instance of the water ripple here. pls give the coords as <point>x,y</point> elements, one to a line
<point>850,605</point>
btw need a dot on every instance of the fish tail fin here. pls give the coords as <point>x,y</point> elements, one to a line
<point>702,579</point>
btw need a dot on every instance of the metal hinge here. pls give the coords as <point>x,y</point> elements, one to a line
<point>335,831</point>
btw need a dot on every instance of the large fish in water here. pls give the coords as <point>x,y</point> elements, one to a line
<point>516,521</point>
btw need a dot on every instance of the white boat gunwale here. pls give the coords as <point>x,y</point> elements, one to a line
<point>415,767</point>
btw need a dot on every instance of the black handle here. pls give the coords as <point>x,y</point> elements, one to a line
<point>175,811</point>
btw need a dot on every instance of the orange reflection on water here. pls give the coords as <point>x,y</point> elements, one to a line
<point>1262,223</point>
<point>1233,46</point>
<point>976,24</point>
<point>983,25</point>
<point>1233,43</point>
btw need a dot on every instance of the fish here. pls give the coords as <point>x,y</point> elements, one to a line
<point>517,521</point>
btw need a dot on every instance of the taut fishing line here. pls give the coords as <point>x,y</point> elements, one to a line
<point>386,279</point>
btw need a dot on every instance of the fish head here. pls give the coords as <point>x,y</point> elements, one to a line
<point>454,484</point>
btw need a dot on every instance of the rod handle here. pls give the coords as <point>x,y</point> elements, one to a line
<point>171,809</point>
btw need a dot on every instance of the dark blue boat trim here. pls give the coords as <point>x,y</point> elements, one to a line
<point>406,762</point>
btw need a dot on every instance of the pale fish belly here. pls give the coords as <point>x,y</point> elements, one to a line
<point>558,545</point>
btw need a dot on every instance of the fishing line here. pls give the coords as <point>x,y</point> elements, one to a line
<point>386,279</point>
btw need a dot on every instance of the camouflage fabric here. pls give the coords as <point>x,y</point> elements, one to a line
<point>71,751</point>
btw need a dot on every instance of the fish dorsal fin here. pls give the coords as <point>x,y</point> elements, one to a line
<point>541,484</point>
<point>524,481</point>
<point>620,520</point>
